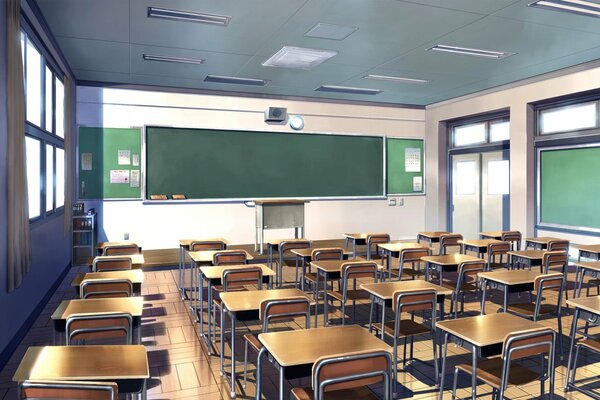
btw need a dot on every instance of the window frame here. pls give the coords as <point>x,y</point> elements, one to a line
<point>559,103</point>
<point>487,120</point>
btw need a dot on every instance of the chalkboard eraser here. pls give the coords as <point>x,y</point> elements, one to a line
<point>158,197</point>
<point>178,197</point>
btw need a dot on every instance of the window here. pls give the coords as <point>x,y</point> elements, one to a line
<point>482,132</point>
<point>568,118</point>
<point>499,131</point>
<point>469,134</point>
<point>60,107</point>
<point>60,177</point>
<point>49,178</point>
<point>49,106</point>
<point>33,84</point>
<point>34,186</point>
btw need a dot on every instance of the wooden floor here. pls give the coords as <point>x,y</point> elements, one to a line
<point>181,368</point>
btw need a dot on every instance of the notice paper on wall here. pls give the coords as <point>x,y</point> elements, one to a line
<point>86,161</point>
<point>135,178</point>
<point>412,160</point>
<point>119,176</point>
<point>417,183</point>
<point>124,157</point>
<point>135,160</point>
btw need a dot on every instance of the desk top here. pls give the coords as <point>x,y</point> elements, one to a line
<point>450,259</point>
<point>136,259</point>
<point>486,330</point>
<point>206,256</point>
<point>478,242</point>
<point>363,236</point>
<point>492,234</point>
<point>305,346</point>
<point>279,202</point>
<point>102,245</point>
<point>589,265</point>
<point>512,277</point>
<point>306,253</point>
<point>385,290</point>
<point>399,246</point>
<point>590,304</point>
<point>529,254</point>
<point>277,242</point>
<point>187,242</point>
<point>131,305</point>
<point>542,239</point>
<point>433,234</point>
<point>336,265</point>
<point>80,363</point>
<point>134,275</point>
<point>592,248</point>
<point>250,300</point>
<point>217,272</point>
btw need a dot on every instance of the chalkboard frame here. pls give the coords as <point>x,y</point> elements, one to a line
<point>146,196</point>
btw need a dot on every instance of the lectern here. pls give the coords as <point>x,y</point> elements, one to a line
<point>278,214</point>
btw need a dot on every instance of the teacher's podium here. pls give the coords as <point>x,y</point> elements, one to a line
<point>277,214</point>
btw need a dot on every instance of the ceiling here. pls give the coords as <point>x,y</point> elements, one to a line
<point>103,41</point>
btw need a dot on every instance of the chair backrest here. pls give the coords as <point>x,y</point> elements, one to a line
<point>113,264</point>
<point>528,343</point>
<point>449,239</point>
<point>553,259</point>
<point>413,255</point>
<point>346,371</point>
<point>273,310</point>
<point>549,281</point>
<point>514,238</point>
<point>468,269</point>
<point>327,253</point>
<point>497,249</point>
<point>239,277</point>
<point>558,245</point>
<point>292,245</point>
<point>414,300</point>
<point>66,390</point>
<point>102,288</point>
<point>121,249</point>
<point>229,257</point>
<point>99,326</point>
<point>199,245</point>
<point>358,270</point>
<point>378,238</point>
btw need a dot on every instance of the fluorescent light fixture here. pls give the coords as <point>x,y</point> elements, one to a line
<point>235,80</point>
<point>396,79</point>
<point>181,60</point>
<point>348,90</point>
<point>330,31</point>
<point>579,7</point>
<point>299,57</point>
<point>471,52</point>
<point>188,16</point>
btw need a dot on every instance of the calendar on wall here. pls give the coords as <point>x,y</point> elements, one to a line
<point>412,159</point>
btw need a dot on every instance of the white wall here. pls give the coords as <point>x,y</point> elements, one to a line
<point>161,225</point>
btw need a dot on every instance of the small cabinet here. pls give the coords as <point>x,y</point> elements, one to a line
<point>84,238</point>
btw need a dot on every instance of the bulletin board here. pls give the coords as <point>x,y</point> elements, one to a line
<point>405,166</point>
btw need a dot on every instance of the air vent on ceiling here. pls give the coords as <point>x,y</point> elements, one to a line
<point>347,90</point>
<point>299,57</point>
<point>330,31</point>
<point>188,16</point>
<point>471,52</point>
<point>579,7</point>
<point>396,79</point>
<point>180,60</point>
<point>235,80</point>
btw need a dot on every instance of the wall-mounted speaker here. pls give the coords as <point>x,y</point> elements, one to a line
<point>275,114</point>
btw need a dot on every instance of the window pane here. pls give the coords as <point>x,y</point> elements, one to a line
<point>465,177</point>
<point>568,118</point>
<point>498,177</point>
<point>48,107</point>
<point>33,157</point>
<point>23,51</point>
<point>49,177</point>
<point>499,131</point>
<point>469,134</point>
<point>34,85</point>
<point>60,177</point>
<point>60,107</point>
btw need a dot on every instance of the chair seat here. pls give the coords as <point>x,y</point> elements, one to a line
<point>590,343</point>
<point>408,327</point>
<point>253,341</point>
<point>528,309</point>
<point>490,371</point>
<point>362,393</point>
<point>351,295</point>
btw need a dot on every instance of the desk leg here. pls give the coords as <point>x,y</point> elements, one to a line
<point>383,321</point>
<point>281,382</point>
<point>371,313</point>
<point>259,372</point>
<point>354,248</point>
<point>209,301</point>
<point>222,344</point>
<point>474,374</point>
<point>316,292</point>
<point>201,296</point>
<point>573,333</point>
<point>232,355</point>
<point>505,298</point>
<point>483,292</point>
<point>442,372</point>
<point>325,299</point>
<point>389,264</point>
<point>578,282</point>
<point>181,269</point>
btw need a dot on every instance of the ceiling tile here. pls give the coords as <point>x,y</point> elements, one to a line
<point>479,6</point>
<point>96,55</point>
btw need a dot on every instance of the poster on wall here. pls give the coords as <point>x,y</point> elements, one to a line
<point>412,160</point>
<point>86,161</point>
<point>119,176</point>
<point>135,178</point>
<point>124,157</point>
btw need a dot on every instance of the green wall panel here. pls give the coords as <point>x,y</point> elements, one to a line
<point>398,180</point>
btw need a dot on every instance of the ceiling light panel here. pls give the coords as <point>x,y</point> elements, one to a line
<point>180,60</point>
<point>331,31</point>
<point>235,80</point>
<point>397,79</point>
<point>471,52</point>
<point>578,7</point>
<point>348,90</point>
<point>188,16</point>
<point>299,58</point>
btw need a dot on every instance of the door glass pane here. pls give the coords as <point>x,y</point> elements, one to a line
<point>498,177</point>
<point>48,106</point>
<point>499,131</point>
<point>568,118</point>
<point>60,107</point>
<point>33,157</point>
<point>60,177</point>
<point>469,134</point>
<point>465,177</point>
<point>34,85</point>
<point>466,204</point>
<point>49,177</point>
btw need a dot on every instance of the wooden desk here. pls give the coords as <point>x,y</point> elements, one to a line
<point>127,365</point>
<point>102,245</point>
<point>492,235</point>
<point>278,214</point>
<point>67,308</point>
<point>273,247</point>
<point>431,237</point>
<point>309,345</point>
<point>478,246</point>
<point>483,334</point>
<point>522,259</point>
<point>136,276</point>
<point>245,306</point>
<point>539,243</point>
<point>584,268</point>
<point>137,260</point>
<point>184,246</point>
<point>512,281</point>
<point>359,239</point>
<point>590,251</point>
<point>306,254</point>
<point>446,263</point>
<point>394,249</point>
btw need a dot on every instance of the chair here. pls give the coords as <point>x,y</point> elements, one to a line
<point>514,238</point>
<point>501,372</point>
<point>199,245</point>
<point>229,257</point>
<point>121,249</point>
<point>590,343</point>
<point>66,390</point>
<point>104,288</point>
<point>495,251</point>
<point>549,282</point>
<point>99,326</point>
<point>374,240</point>
<point>449,240</point>
<point>404,328</point>
<point>466,282</point>
<point>412,256</point>
<point>274,311</point>
<point>346,376</point>
<point>325,253</point>
<point>285,247</point>
<point>554,245</point>
<point>350,272</point>
<point>113,264</point>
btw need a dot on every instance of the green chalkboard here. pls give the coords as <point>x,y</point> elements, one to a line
<point>103,145</point>
<point>400,181</point>
<point>215,164</point>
